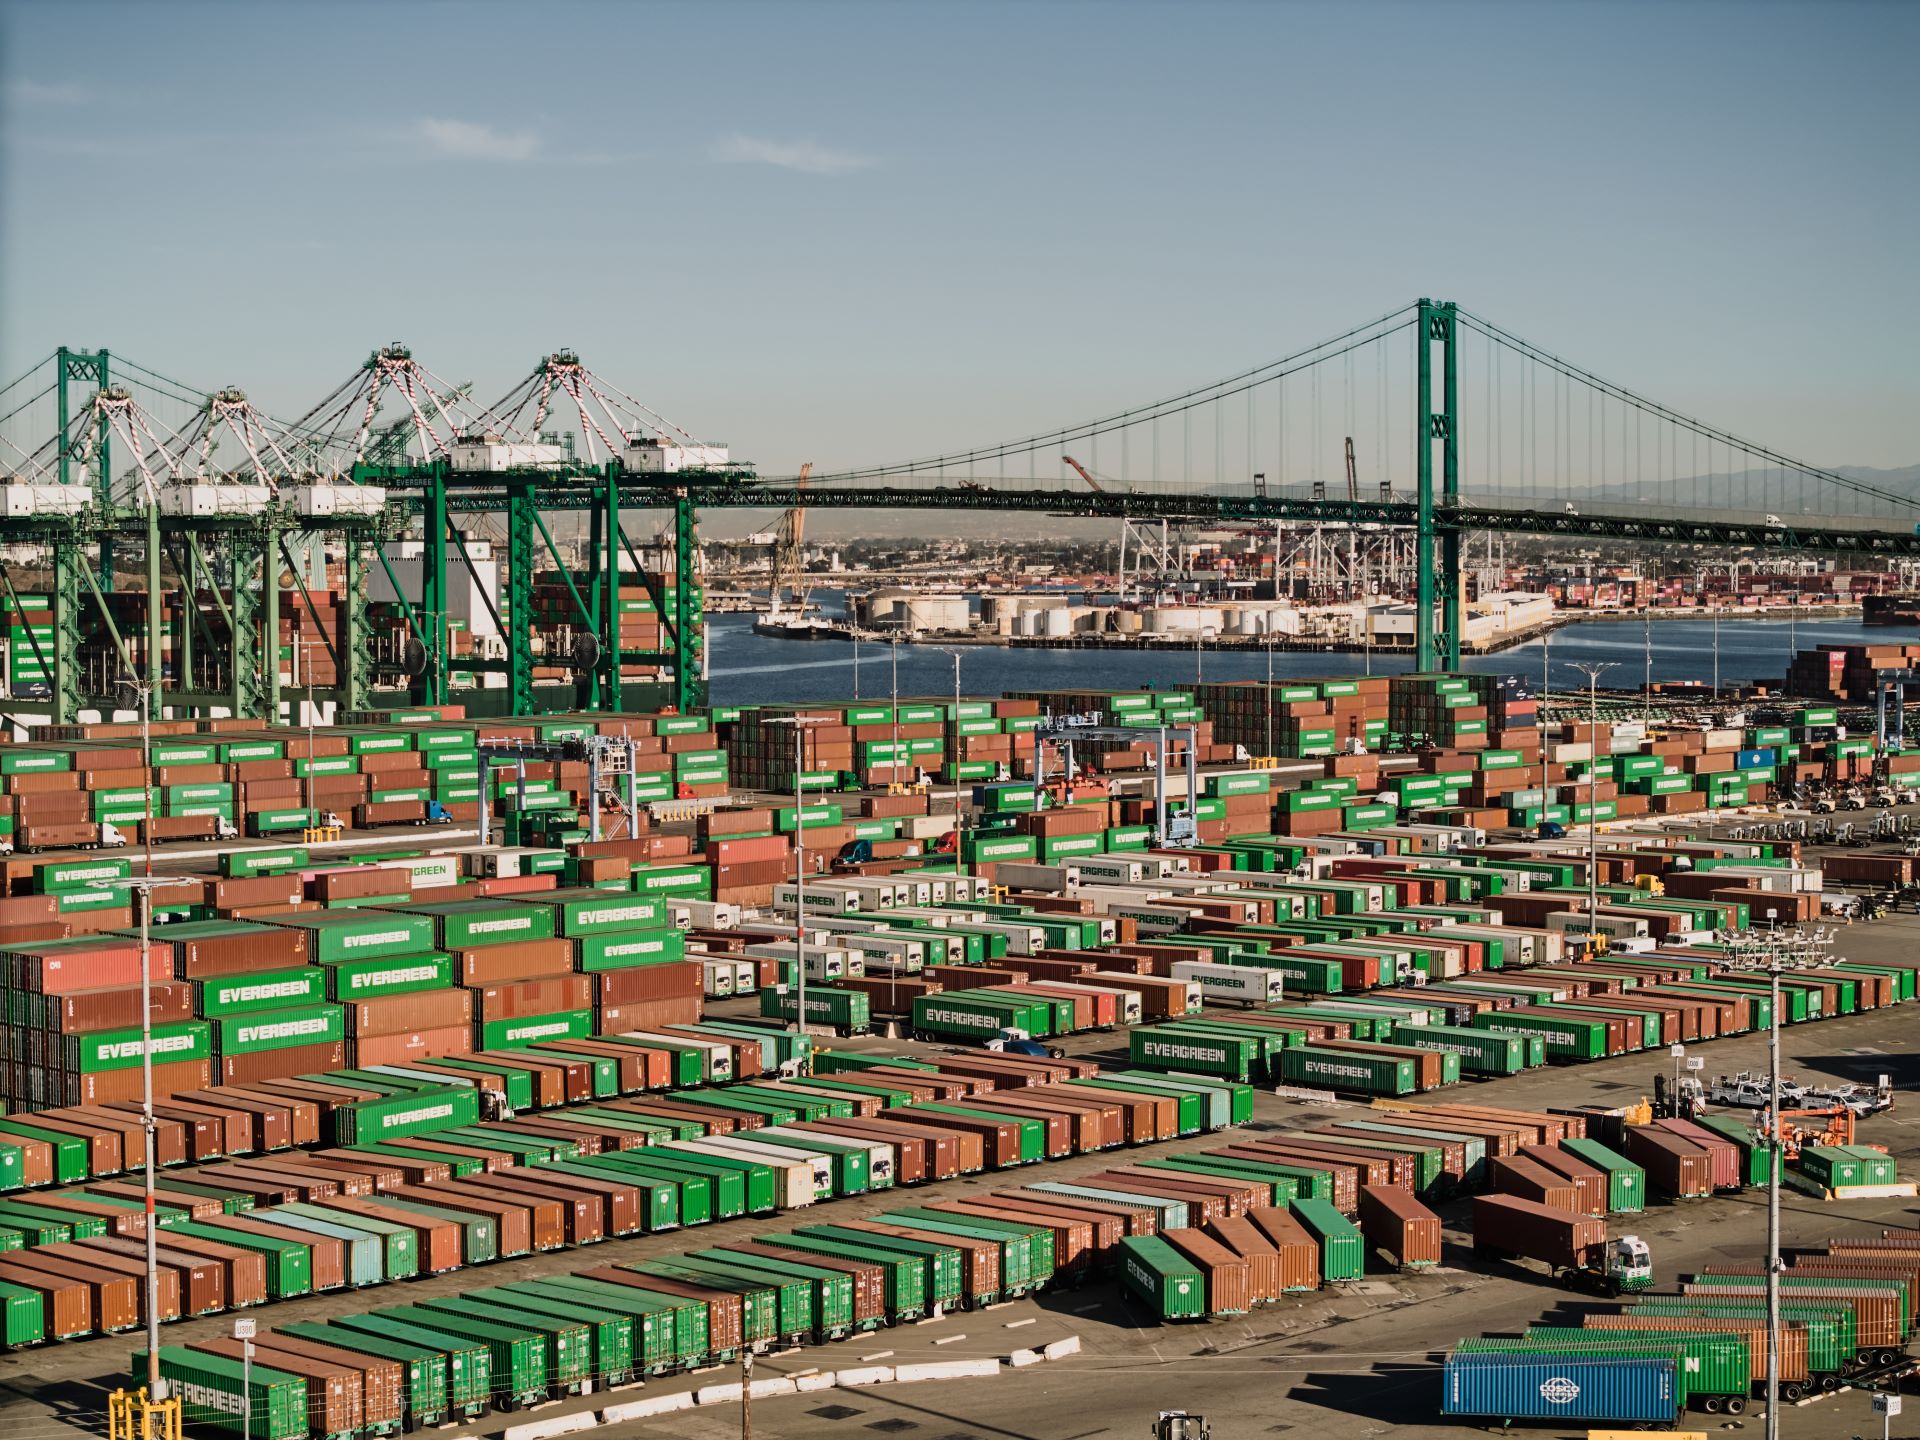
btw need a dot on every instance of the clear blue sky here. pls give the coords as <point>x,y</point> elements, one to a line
<point>855,232</point>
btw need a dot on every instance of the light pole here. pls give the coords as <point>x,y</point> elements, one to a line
<point>801,724</point>
<point>244,1331</point>
<point>856,660</point>
<point>1546,652</point>
<point>1646,689</point>
<point>144,886</point>
<point>312,811</point>
<point>1269,750</point>
<point>959,862</point>
<point>1593,670</point>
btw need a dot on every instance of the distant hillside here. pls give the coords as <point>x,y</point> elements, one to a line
<point>1784,491</point>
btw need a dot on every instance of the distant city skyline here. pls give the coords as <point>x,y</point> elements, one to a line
<point>855,233</point>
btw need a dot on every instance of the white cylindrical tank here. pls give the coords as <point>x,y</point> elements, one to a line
<point>936,612</point>
<point>1056,621</point>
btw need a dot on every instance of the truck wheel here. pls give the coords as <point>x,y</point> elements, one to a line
<point>1791,1392</point>
<point>1711,1404</point>
<point>1736,1405</point>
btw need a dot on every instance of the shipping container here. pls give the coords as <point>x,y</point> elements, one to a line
<point>1393,1221</point>
<point>1171,1286</point>
<point>268,1403</point>
<point>1570,1389</point>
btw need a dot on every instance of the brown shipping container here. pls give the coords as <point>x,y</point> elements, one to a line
<point>1229,1285</point>
<point>1588,1179</point>
<point>1675,1166</point>
<point>277,1064</point>
<point>1072,1239</point>
<point>1109,1224</point>
<point>1509,1225</point>
<point>979,1259</point>
<point>869,1280</point>
<point>1793,1338</point>
<point>1395,1222</point>
<point>581,1214</point>
<point>1517,1175</point>
<point>1876,1312</point>
<point>516,960</point>
<point>1245,1239</point>
<point>545,996</point>
<point>724,1323</point>
<point>329,1254</point>
<point>437,1240</point>
<point>336,1400</point>
<point>1723,1153</point>
<point>1858,1268</point>
<point>1000,1139</point>
<point>67,1304</point>
<point>409,1046</point>
<point>383,1382</point>
<point>1347,1178</point>
<point>520,1229</point>
<point>246,1269</point>
<point>421,1010</point>
<point>117,1291</point>
<point>203,1282</point>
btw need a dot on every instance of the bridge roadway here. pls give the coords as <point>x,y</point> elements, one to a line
<point>1834,535</point>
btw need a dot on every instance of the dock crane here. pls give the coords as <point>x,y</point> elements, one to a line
<point>787,564</point>
<point>1159,549</point>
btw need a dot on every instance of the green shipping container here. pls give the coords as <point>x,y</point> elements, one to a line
<point>1565,1037</point>
<point>356,934</point>
<point>215,1391</point>
<point>1169,1284</point>
<point>1626,1181</point>
<point>532,1029</point>
<point>376,976</point>
<point>280,1029</point>
<point>268,990</point>
<point>1343,1252</point>
<point>469,1363</point>
<point>1345,1070</point>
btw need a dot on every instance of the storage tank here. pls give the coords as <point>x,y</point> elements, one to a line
<point>1184,621</point>
<point>1056,622</point>
<point>936,612</point>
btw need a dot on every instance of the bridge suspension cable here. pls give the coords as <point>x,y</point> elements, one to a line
<point>1175,406</point>
<point>1503,339</point>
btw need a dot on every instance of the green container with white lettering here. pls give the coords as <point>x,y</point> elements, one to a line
<point>263,990</point>
<point>378,975</point>
<point>279,1029</point>
<point>532,1029</point>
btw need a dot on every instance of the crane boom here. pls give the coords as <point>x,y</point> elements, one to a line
<point>1082,472</point>
<point>787,566</point>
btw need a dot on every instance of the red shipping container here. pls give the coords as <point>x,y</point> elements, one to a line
<point>522,998</point>
<point>274,1064</point>
<point>89,965</point>
<point>420,1010</point>
<point>517,960</point>
<point>410,1045</point>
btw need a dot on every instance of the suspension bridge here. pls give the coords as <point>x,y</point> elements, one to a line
<point>1465,427</point>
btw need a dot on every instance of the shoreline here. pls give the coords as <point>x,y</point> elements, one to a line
<point>1310,645</point>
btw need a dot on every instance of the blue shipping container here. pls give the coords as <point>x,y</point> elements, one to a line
<point>1753,759</point>
<point>1565,1387</point>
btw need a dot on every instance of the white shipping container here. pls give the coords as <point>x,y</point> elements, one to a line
<point>793,1171</point>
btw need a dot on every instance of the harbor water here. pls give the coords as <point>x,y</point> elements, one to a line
<point>748,669</point>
